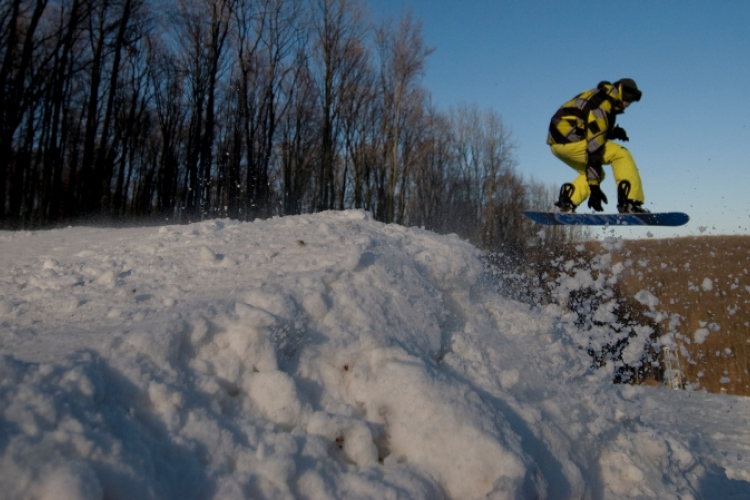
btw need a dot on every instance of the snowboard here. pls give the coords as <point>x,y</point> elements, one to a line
<point>658,219</point>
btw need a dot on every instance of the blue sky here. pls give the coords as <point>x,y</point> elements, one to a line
<point>689,134</point>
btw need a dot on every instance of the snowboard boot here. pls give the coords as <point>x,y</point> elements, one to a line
<point>564,203</point>
<point>626,205</point>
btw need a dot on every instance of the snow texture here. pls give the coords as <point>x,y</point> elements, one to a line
<point>326,356</point>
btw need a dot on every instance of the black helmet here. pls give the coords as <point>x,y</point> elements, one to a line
<point>629,90</point>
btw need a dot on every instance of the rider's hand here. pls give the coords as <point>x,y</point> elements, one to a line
<point>596,198</point>
<point>619,134</point>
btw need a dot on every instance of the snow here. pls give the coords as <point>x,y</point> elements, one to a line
<point>700,335</point>
<point>324,356</point>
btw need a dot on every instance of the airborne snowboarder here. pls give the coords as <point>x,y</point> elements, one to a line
<point>581,134</point>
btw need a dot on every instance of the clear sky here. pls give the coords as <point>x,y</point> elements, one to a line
<point>689,134</point>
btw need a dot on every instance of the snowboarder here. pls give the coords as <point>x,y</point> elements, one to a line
<point>581,134</point>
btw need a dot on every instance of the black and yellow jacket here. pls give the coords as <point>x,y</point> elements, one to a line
<point>589,117</point>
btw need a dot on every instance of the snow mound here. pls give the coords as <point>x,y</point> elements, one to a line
<point>322,356</point>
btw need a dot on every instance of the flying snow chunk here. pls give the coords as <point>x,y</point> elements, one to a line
<point>647,299</point>
<point>700,335</point>
<point>707,285</point>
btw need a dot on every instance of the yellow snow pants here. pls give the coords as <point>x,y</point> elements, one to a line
<point>623,168</point>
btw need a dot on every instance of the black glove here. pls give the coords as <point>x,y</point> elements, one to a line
<point>619,134</point>
<point>596,198</point>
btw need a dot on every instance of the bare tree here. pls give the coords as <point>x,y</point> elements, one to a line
<point>204,29</point>
<point>57,194</point>
<point>19,82</point>
<point>429,205</point>
<point>298,142</point>
<point>104,163</point>
<point>339,29</point>
<point>269,35</point>
<point>166,81</point>
<point>100,27</point>
<point>402,55</point>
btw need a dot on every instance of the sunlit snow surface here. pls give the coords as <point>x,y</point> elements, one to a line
<point>323,356</point>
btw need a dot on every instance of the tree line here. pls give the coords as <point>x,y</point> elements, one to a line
<point>181,110</point>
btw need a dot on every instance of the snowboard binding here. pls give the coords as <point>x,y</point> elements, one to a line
<point>626,205</point>
<point>564,202</point>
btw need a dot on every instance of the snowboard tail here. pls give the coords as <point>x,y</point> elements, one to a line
<point>573,219</point>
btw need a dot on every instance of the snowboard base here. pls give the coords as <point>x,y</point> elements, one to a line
<point>657,219</point>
